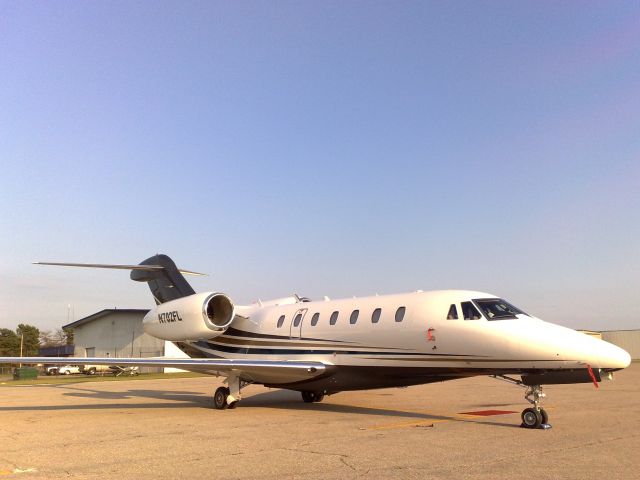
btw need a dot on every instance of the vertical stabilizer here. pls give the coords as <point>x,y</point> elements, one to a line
<point>167,283</point>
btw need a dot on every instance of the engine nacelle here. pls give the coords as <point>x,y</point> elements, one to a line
<point>196,317</point>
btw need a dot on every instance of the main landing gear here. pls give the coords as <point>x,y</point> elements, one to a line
<point>532,417</point>
<point>310,397</point>
<point>228,397</point>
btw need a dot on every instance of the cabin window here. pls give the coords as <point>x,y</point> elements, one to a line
<point>400,314</point>
<point>314,319</point>
<point>453,312</point>
<point>375,316</point>
<point>334,318</point>
<point>280,321</point>
<point>297,320</point>
<point>470,312</point>
<point>354,317</point>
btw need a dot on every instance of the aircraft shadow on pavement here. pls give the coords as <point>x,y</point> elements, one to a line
<point>169,398</point>
<point>277,399</point>
<point>287,400</point>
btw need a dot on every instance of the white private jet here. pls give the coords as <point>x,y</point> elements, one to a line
<point>323,347</point>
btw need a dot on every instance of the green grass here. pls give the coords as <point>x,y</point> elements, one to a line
<point>8,381</point>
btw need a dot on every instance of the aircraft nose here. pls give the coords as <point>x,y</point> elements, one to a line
<point>614,357</point>
<point>623,358</point>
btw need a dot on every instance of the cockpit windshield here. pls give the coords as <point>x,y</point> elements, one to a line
<point>497,309</point>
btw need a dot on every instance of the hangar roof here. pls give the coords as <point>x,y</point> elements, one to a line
<point>104,313</point>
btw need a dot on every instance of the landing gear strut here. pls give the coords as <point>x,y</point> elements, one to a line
<point>532,417</point>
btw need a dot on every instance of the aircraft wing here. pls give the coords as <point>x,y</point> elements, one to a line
<point>264,371</point>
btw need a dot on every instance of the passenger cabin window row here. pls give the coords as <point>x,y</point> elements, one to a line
<point>353,319</point>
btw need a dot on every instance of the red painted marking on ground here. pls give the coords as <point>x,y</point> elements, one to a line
<point>488,413</point>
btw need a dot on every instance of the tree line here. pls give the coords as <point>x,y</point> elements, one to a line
<point>32,339</point>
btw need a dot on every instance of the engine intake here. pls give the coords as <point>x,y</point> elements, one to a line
<point>195,317</point>
<point>218,308</point>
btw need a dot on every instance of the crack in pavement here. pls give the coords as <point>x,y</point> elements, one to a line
<point>342,457</point>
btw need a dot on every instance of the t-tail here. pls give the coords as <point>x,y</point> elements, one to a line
<point>166,283</point>
<point>165,280</point>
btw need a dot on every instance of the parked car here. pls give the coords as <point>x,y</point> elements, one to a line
<point>93,369</point>
<point>68,369</point>
<point>51,370</point>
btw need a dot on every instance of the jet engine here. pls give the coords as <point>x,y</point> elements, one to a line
<point>195,317</point>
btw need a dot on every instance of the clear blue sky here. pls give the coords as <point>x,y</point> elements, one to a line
<point>323,148</point>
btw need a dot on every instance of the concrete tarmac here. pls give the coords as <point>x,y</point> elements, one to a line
<point>167,429</point>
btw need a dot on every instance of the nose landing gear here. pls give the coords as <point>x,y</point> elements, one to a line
<point>536,416</point>
<point>532,417</point>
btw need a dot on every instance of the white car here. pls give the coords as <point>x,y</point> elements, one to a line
<point>68,369</point>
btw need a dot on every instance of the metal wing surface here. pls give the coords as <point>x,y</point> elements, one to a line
<point>263,371</point>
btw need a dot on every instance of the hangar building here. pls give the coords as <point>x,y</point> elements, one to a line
<point>118,333</point>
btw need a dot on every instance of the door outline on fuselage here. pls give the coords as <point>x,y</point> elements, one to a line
<point>292,328</point>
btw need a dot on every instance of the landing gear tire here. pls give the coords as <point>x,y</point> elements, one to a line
<point>232,405</point>
<point>220,398</point>
<point>310,397</point>
<point>545,416</point>
<point>532,418</point>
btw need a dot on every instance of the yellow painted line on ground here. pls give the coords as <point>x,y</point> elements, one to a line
<point>434,417</point>
<point>408,424</point>
<point>17,470</point>
<point>437,418</point>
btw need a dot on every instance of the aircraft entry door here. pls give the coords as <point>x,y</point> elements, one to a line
<point>296,323</point>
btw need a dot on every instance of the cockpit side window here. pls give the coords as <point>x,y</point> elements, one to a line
<point>453,312</point>
<point>498,309</point>
<point>469,312</point>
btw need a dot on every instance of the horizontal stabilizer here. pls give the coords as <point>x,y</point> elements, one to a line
<point>148,268</point>
<point>164,279</point>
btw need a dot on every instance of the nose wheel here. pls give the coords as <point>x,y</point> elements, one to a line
<point>532,418</point>
<point>535,416</point>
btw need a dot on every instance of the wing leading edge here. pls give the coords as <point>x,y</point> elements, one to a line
<point>263,371</point>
